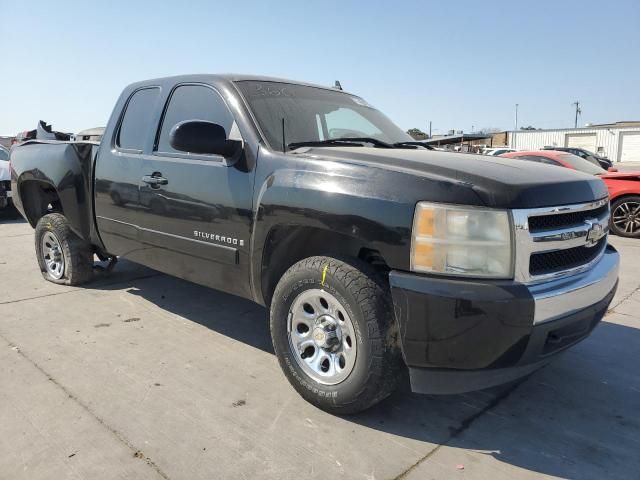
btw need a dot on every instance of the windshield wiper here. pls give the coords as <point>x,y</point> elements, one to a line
<point>412,145</point>
<point>341,142</point>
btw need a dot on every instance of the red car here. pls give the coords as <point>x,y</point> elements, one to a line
<point>624,187</point>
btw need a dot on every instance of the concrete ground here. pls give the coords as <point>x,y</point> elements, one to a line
<point>627,166</point>
<point>143,376</point>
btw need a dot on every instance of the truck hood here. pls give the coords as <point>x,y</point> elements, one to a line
<point>4,171</point>
<point>498,182</point>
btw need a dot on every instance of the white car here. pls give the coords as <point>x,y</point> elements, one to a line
<point>5,178</point>
<point>498,151</point>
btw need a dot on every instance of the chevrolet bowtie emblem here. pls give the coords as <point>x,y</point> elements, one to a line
<point>595,233</point>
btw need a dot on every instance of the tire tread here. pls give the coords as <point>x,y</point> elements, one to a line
<point>371,292</point>
<point>78,254</point>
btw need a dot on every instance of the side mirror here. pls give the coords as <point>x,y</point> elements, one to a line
<point>198,136</point>
<point>612,169</point>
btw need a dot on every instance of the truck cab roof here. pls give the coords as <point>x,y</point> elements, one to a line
<point>227,78</point>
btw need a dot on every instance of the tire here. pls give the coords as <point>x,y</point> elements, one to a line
<point>625,216</point>
<point>360,302</point>
<point>73,258</point>
<point>117,199</point>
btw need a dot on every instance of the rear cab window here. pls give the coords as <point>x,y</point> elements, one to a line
<point>137,119</point>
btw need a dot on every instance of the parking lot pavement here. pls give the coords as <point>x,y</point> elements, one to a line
<point>140,375</point>
<point>627,166</point>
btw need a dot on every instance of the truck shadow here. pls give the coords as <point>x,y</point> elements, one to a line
<point>577,418</point>
<point>10,215</point>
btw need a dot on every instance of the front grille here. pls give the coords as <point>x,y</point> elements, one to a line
<point>558,260</point>
<point>562,220</point>
<point>5,186</point>
<point>551,241</point>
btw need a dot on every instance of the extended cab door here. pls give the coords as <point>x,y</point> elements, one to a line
<point>196,210</point>
<point>117,171</point>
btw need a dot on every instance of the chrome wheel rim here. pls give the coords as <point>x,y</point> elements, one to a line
<point>626,217</point>
<point>321,337</point>
<point>53,255</point>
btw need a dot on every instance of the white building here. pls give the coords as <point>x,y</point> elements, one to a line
<point>620,141</point>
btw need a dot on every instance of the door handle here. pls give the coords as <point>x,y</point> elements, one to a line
<point>155,180</point>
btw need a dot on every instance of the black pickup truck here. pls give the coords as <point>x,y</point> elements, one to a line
<point>373,253</point>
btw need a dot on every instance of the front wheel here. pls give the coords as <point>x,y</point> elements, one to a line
<point>63,257</point>
<point>333,333</point>
<point>625,216</point>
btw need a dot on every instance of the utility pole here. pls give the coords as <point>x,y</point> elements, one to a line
<point>429,128</point>
<point>578,112</point>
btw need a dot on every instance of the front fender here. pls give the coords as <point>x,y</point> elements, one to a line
<point>342,204</point>
<point>345,205</point>
<point>621,188</point>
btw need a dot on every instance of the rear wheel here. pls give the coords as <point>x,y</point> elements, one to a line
<point>117,199</point>
<point>333,333</point>
<point>63,257</point>
<point>625,216</point>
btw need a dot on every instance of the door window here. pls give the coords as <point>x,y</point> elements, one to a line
<point>195,102</point>
<point>137,119</point>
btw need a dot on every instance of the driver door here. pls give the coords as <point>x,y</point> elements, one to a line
<point>195,219</point>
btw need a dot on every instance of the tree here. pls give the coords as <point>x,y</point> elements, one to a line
<point>528,128</point>
<point>417,134</point>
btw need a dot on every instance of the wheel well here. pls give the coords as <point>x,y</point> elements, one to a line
<point>38,199</point>
<point>287,245</point>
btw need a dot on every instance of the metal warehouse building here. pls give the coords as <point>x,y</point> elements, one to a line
<point>620,142</point>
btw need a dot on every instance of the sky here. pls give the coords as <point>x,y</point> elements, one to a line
<point>461,65</point>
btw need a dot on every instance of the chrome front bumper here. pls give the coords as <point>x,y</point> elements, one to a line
<point>564,296</point>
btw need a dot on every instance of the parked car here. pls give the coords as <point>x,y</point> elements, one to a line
<point>624,187</point>
<point>372,253</point>
<point>21,137</point>
<point>586,154</point>
<point>494,152</point>
<point>5,179</point>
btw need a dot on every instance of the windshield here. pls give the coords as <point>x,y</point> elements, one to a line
<point>589,153</point>
<point>314,114</point>
<point>581,164</point>
<point>4,155</point>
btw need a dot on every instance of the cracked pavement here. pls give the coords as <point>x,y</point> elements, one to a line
<point>141,375</point>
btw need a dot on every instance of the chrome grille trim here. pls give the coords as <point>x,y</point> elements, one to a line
<point>527,243</point>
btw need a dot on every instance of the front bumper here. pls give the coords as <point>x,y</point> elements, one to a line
<point>464,335</point>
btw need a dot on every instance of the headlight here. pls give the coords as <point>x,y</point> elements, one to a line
<point>458,240</point>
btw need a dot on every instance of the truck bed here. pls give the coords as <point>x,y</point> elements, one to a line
<point>66,166</point>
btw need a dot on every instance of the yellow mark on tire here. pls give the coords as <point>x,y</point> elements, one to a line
<point>324,274</point>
